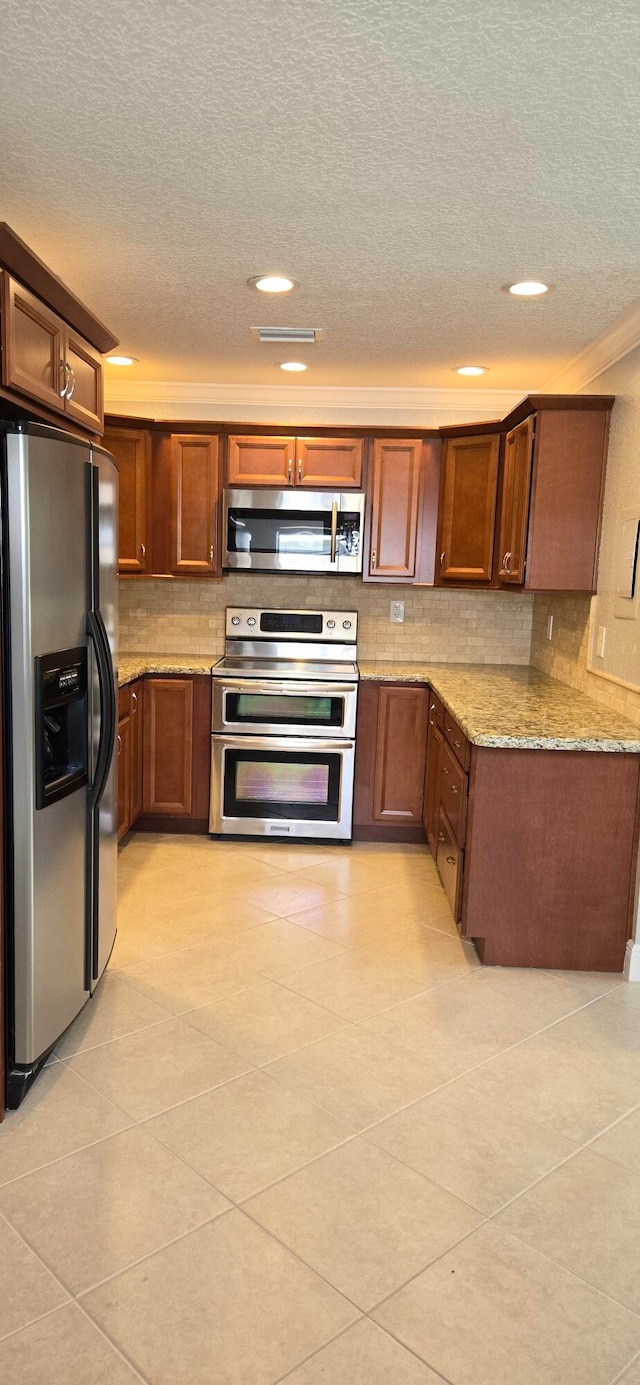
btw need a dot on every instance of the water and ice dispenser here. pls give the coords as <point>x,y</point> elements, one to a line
<point>61,724</point>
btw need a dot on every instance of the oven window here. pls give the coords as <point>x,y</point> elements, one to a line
<point>279,531</point>
<point>282,784</point>
<point>283,709</point>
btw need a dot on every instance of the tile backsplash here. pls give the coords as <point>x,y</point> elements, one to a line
<point>565,655</point>
<point>180,617</point>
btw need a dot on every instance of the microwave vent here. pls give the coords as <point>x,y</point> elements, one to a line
<point>301,335</point>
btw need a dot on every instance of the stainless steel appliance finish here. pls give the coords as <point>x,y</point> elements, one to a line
<point>60,639</point>
<point>293,530</point>
<point>283,724</point>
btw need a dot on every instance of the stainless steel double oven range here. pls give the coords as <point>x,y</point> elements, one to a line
<point>284,723</point>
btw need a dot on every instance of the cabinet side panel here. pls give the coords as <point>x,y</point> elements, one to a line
<point>550,857</point>
<point>568,478</point>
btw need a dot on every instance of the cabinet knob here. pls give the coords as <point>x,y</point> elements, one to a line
<point>441,837</point>
<point>374,557</point>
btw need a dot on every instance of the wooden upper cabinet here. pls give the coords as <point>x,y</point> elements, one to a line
<point>514,513</point>
<point>467,519</point>
<point>131,449</point>
<point>32,346</point>
<point>84,400</point>
<point>194,506</point>
<point>261,461</point>
<point>395,500</point>
<point>46,360</point>
<point>569,460</point>
<point>335,462</point>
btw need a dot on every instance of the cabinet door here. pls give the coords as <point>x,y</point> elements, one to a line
<point>32,346</point>
<point>195,549</point>
<point>136,751</point>
<point>395,497</point>
<point>260,461</point>
<point>514,516</point>
<point>335,462</point>
<point>131,449</point>
<point>84,400</point>
<point>168,745</point>
<point>468,514</point>
<point>449,860</point>
<point>401,735</point>
<point>124,775</point>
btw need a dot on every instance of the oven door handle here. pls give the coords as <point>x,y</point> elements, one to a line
<point>232,742</point>
<point>263,687</point>
<point>334,530</point>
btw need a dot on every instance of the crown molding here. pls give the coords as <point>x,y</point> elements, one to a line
<point>166,399</point>
<point>601,353</point>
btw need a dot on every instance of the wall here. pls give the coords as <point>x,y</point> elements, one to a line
<point>571,650</point>
<point>181,617</point>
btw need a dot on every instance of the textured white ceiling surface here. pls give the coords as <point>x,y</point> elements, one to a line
<point>402,159</point>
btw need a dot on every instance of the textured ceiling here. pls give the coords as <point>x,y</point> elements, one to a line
<point>401,158</point>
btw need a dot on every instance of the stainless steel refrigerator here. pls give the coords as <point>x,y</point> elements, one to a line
<point>59,610</point>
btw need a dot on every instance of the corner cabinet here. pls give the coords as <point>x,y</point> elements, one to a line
<point>195,506</point>
<point>46,360</point>
<point>396,475</point>
<point>516,491</point>
<point>468,509</point>
<point>131,448</point>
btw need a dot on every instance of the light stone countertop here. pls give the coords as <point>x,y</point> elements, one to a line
<point>499,705</point>
<point>516,706</point>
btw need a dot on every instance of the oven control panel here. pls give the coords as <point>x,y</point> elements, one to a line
<point>253,622</point>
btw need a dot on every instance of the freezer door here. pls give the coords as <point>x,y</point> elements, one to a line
<point>46,498</point>
<point>104,826</point>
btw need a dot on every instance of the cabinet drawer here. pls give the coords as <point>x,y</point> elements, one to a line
<point>457,740</point>
<point>449,860</point>
<point>453,792</point>
<point>124,702</point>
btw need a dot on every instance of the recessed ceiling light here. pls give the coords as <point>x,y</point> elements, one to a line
<point>471,369</point>
<point>122,360</point>
<point>272,283</point>
<point>529,288</point>
<point>293,365</point>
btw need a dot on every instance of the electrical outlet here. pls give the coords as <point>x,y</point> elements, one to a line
<point>600,641</point>
<point>550,627</point>
<point>396,613</point>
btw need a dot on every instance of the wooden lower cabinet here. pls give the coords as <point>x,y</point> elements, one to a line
<point>136,750</point>
<point>431,797</point>
<point>390,758</point>
<point>177,752</point>
<point>129,756</point>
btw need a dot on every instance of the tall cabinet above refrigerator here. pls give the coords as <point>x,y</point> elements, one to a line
<point>59,612</point>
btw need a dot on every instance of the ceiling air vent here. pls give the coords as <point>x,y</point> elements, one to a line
<point>301,335</point>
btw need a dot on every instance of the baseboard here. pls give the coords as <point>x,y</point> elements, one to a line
<point>195,826</point>
<point>375,833</point>
<point>632,960</point>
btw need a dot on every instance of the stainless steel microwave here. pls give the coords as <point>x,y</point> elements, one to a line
<point>293,530</point>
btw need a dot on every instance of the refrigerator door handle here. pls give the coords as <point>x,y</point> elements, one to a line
<point>106,680</point>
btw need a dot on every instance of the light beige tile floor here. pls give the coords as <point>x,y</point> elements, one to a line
<point>299,1135</point>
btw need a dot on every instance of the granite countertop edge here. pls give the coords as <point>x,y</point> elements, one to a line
<point>481,698</point>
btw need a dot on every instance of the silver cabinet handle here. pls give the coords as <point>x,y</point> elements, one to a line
<point>70,392</point>
<point>444,769</point>
<point>119,744</point>
<point>143,551</point>
<point>290,471</point>
<point>134,699</point>
<point>64,369</point>
<point>454,789</point>
<point>334,530</point>
<point>458,743</point>
<point>442,558</point>
<point>451,860</point>
<point>506,563</point>
<point>441,837</point>
<point>211,554</point>
<point>374,558</point>
<point>300,471</point>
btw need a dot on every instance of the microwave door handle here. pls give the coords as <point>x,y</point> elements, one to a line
<point>334,530</point>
